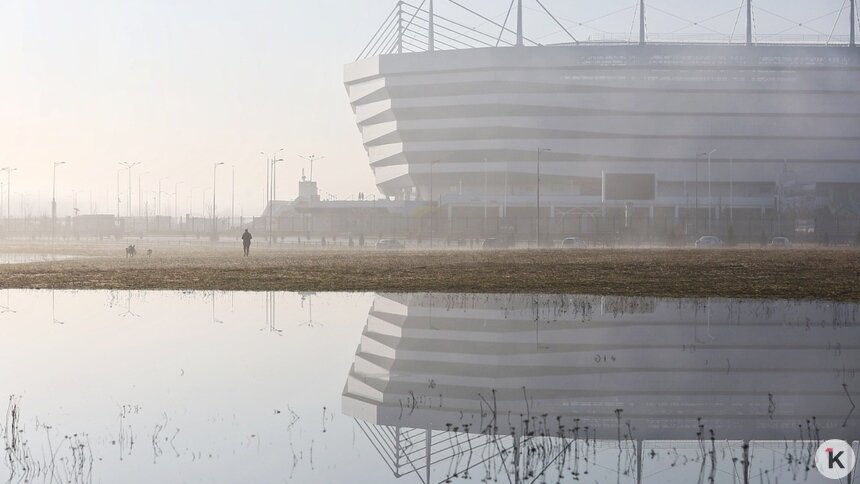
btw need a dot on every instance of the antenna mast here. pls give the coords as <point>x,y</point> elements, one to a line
<point>399,28</point>
<point>431,37</point>
<point>519,23</point>
<point>853,22</point>
<point>749,22</point>
<point>641,22</point>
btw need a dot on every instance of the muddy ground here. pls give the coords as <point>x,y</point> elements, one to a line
<point>828,274</point>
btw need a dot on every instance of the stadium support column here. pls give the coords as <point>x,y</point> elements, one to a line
<point>749,22</point>
<point>519,23</point>
<point>641,22</point>
<point>431,30</point>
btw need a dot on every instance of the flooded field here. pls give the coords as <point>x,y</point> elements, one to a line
<point>171,386</point>
<point>23,258</point>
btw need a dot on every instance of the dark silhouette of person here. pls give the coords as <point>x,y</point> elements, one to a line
<point>246,242</point>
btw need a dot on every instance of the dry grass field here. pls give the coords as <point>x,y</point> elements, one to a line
<point>832,274</point>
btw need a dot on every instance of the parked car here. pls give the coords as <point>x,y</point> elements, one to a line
<point>573,243</point>
<point>494,243</point>
<point>780,242</point>
<point>389,244</point>
<point>709,242</point>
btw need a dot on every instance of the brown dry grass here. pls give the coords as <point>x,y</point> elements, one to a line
<point>832,274</point>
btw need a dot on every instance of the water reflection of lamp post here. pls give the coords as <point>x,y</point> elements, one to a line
<point>128,311</point>
<point>215,319</point>
<point>271,308</point>
<point>53,310</point>
<point>310,322</point>
<point>8,307</point>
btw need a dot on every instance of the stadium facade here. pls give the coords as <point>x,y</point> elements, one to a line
<point>590,129</point>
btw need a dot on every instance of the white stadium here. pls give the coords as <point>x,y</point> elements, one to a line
<point>744,131</point>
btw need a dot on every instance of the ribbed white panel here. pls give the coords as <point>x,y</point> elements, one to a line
<point>636,109</point>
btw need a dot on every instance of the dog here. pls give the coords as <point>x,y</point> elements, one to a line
<point>130,251</point>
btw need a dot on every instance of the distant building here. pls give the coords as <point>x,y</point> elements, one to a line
<point>95,225</point>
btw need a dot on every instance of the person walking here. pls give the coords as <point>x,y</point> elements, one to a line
<point>246,242</point>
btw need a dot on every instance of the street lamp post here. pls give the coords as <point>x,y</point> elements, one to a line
<point>54,199</point>
<point>433,162</point>
<point>274,192</point>
<point>214,191</point>
<point>158,204</point>
<point>129,166</point>
<point>176,204</point>
<point>8,171</point>
<point>118,215</point>
<point>484,230</point>
<point>269,188</point>
<point>731,192</point>
<point>710,198</point>
<point>696,209</point>
<point>539,151</point>
<point>708,154</point>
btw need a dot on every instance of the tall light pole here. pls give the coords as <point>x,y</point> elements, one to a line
<point>433,162</point>
<point>312,159</point>
<point>233,198</point>
<point>54,199</point>
<point>696,220</point>
<point>710,197</point>
<point>8,171</point>
<point>710,200</point>
<point>539,151</point>
<point>731,192</point>
<point>485,195</point>
<point>269,159</point>
<point>158,205</point>
<point>275,162</point>
<point>118,215</point>
<point>214,191</point>
<point>129,166</point>
<point>175,203</point>
<point>140,193</point>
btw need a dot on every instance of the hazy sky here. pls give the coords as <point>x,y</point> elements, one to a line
<point>179,85</point>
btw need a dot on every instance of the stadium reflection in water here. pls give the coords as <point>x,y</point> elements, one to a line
<point>269,387</point>
<point>510,387</point>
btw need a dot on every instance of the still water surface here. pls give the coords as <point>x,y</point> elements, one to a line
<point>161,386</point>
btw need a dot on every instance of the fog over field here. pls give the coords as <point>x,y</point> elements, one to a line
<point>179,86</point>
